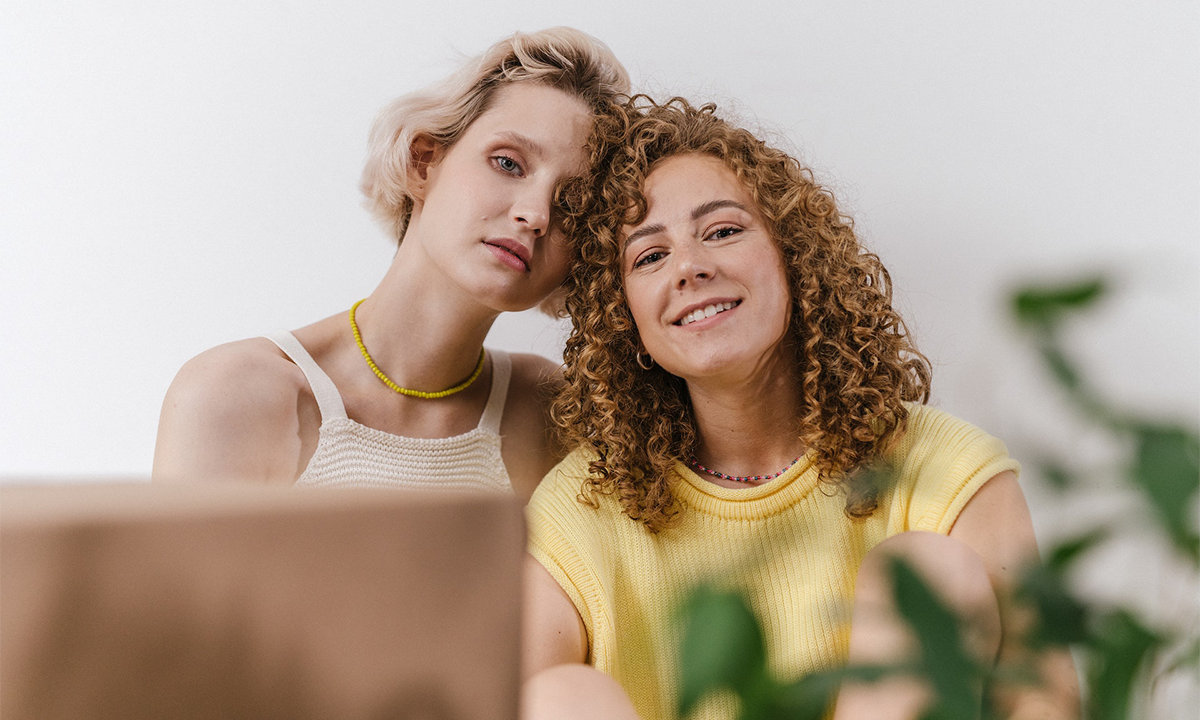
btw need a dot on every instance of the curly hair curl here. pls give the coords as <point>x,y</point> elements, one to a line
<point>856,363</point>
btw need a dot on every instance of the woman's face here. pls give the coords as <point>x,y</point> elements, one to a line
<point>485,208</point>
<point>704,279</point>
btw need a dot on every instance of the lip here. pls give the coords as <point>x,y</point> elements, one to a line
<point>510,252</point>
<point>703,304</point>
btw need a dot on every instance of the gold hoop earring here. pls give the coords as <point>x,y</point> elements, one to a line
<point>647,364</point>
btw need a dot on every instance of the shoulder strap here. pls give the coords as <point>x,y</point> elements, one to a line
<point>501,372</point>
<point>329,400</point>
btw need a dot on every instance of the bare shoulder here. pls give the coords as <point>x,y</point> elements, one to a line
<point>996,523</point>
<point>247,375</point>
<point>529,448</point>
<point>230,413</point>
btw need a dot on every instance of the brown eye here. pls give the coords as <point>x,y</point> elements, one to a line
<point>722,233</point>
<point>649,258</point>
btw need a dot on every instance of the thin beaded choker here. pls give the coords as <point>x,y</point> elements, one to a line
<point>695,464</point>
<point>403,390</point>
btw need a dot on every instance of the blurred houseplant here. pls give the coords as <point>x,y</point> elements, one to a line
<point>1121,653</point>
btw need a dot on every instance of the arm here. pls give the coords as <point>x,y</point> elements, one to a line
<point>974,571</point>
<point>558,683</point>
<point>529,449</point>
<point>997,526</point>
<point>235,413</point>
<point>879,634</point>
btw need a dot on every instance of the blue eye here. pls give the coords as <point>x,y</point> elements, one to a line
<point>508,165</point>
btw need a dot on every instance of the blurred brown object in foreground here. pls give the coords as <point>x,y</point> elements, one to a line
<point>146,601</point>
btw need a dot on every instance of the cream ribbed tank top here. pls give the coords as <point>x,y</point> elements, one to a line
<point>350,454</point>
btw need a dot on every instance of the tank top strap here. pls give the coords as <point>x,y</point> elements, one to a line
<point>329,400</point>
<point>501,372</point>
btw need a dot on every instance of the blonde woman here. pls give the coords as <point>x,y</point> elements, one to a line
<point>398,391</point>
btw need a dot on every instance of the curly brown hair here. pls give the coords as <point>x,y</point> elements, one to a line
<point>857,365</point>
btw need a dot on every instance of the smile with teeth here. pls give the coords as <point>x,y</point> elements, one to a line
<point>707,312</point>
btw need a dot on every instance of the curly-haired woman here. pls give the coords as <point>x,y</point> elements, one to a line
<point>735,380</point>
<point>399,392</point>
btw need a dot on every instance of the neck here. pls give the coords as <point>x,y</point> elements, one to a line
<point>749,426</point>
<point>423,332</point>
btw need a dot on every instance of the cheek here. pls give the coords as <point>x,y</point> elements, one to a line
<point>781,302</point>
<point>558,263</point>
<point>645,312</point>
<point>636,299</point>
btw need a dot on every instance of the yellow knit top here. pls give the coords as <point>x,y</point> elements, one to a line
<point>787,544</point>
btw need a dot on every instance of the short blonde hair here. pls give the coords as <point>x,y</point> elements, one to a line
<point>561,57</point>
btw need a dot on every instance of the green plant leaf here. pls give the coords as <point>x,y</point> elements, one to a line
<point>722,647</point>
<point>759,700</point>
<point>1121,649</point>
<point>1062,555</point>
<point>1061,619</point>
<point>1167,468</point>
<point>1061,368</point>
<point>1188,657</point>
<point>949,668</point>
<point>811,697</point>
<point>1056,475</point>
<point>1042,305</point>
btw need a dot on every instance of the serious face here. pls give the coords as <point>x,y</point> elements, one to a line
<point>485,212</point>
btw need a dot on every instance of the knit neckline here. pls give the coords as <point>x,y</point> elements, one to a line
<point>393,438</point>
<point>746,503</point>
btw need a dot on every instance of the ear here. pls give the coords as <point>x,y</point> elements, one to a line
<point>423,155</point>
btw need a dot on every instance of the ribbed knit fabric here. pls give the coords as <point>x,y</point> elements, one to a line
<point>349,454</point>
<point>787,544</point>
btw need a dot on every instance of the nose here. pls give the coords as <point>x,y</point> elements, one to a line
<point>531,210</point>
<point>693,264</point>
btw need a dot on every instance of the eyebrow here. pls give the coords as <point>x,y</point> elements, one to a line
<point>698,212</point>
<point>524,141</point>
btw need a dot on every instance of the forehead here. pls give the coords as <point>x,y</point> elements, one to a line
<point>552,122</point>
<point>681,183</point>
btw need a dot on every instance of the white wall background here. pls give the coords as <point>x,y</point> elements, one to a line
<point>176,175</point>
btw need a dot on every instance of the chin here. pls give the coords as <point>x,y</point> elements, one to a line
<point>511,301</point>
<point>510,304</point>
<point>711,362</point>
<point>503,297</point>
<point>698,367</point>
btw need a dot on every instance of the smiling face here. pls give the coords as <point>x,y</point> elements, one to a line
<point>484,208</point>
<point>703,277</point>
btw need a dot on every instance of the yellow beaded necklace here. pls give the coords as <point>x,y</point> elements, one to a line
<point>402,390</point>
